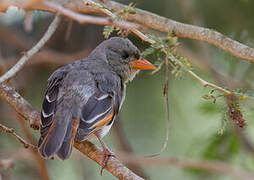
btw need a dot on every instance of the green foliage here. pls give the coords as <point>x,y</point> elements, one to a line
<point>120,16</point>
<point>243,95</point>
<point>163,49</point>
<point>130,10</point>
<point>107,31</point>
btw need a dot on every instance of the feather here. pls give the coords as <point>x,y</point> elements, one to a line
<point>56,133</point>
<point>94,111</point>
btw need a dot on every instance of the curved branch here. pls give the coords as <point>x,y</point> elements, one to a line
<point>85,19</point>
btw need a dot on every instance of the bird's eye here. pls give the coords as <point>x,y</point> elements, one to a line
<point>137,55</point>
<point>124,54</point>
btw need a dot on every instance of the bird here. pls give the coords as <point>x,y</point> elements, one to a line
<point>83,99</point>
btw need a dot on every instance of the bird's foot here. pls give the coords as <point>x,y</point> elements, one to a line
<point>106,154</point>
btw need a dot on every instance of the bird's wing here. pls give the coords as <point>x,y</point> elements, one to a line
<point>102,107</point>
<point>61,107</point>
<point>50,101</point>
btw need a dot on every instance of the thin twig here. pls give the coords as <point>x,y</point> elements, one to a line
<point>20,139</point>
<point>17,67</point>
<point>83,19</point>
<point>6,164</point>
<point>165,93</point>
<point>41,167</point>
<point>200,80</point>
<point>113,16</point>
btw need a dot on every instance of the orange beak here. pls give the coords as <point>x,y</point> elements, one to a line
<point>142,64</point>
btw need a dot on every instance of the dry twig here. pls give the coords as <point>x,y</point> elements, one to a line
<point>9,74</point>
<point>85,19</point>
<point>6,163</point>
<point>20,139</point>
<point>40,165</point>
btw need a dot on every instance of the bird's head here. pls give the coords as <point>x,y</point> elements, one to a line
<point>124,57</point>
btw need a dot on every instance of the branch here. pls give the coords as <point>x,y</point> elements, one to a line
<point>20,139</point>
<point>32,51</point>
<point>20,105</point>
<point>85,19</point>
<point>40,165</point>
<point>203,82</point>
<point>153,21</point>
<point>6,163</point>
<point>114,166</point>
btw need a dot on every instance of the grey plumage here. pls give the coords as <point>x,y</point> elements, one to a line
<point>88,90</point>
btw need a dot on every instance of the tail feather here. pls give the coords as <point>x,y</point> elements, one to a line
<point>66,148</point>
<point>56,133</point>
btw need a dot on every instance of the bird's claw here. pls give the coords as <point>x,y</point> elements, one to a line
<point>106,154</point>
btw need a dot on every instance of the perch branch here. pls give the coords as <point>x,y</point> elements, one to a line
<point>9,74</point>
<point>20,105</point>
<point>114,166</point>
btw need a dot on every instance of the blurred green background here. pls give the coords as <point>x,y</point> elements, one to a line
<point>194,122</point>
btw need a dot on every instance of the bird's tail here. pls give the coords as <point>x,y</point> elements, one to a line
<point>65,151</point>
<point>58,137</point>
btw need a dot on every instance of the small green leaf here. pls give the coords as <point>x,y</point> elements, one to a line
<point>148,51</point>
<point>107,31</point>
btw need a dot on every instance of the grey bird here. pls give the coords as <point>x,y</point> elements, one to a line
<point>83,99</point>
